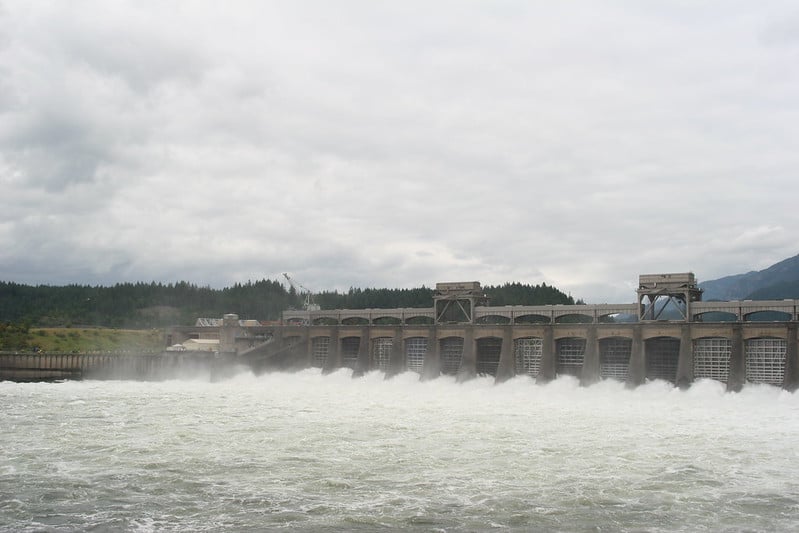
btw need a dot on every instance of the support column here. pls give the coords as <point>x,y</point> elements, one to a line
<point>737,373</point>
<point>791,381</point>
<point>281,347</point>
<point>431,368</point>
<point>685,362</point>
<point>396,363</point>
<point>590,370</point>
<point>309,350</point>
<point>333,352</point>
<point>365,342</point>
<point>506,367</point>
<point>636,374</point>
<point>227,334</point>
<point>295,352</point>
<point>468,368</point>
<point>549,366</point>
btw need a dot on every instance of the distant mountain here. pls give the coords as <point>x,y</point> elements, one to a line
<point>780,280</point>
<point>778,291</point>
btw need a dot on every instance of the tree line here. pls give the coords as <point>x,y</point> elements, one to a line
<point>147,305</point>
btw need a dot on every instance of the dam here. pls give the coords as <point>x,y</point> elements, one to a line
<point>668,334</point>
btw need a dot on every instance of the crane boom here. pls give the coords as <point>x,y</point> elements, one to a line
<point>308,304</point>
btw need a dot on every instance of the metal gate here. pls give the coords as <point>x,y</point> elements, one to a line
<point>451,354</point>
<point>320,349</point>
<point>489,350</point>
<point>712,358</point>
<point>662,354</point>
<point>349,351</point>
<point>571,353</point>
<point>765,360</point>
<point>381,353</point>
<point>527,354</point>
<point>614,358</point>
<point>415,351</point>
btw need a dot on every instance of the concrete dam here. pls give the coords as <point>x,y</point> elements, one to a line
<point>669,334</point>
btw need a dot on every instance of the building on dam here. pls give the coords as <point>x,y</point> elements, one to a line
<point>669,333</point>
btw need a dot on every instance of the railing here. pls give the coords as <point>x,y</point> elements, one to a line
<point>741,309</point>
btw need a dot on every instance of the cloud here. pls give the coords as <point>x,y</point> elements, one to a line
<point>362,144</point>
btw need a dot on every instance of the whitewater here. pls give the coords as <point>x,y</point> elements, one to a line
<point>311,452</point>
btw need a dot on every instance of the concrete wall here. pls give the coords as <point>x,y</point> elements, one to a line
<point>58,366</point>
<point>641,337</point>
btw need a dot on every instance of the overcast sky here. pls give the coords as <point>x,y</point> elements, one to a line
<point>395,144</point>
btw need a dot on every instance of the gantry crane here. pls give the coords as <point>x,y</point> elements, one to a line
<point>308,304</point>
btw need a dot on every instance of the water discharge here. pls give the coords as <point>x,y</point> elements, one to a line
<point>330,453</point>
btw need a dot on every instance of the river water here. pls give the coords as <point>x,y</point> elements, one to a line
<point>331,453</point>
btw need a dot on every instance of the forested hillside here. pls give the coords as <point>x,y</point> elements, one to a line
<point>144,305</point>
<point>138,305</point>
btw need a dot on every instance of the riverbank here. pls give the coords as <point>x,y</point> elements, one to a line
<point>91,340</point>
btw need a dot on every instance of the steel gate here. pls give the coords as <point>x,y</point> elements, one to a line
<point>381,353</point>
<point>712,358</point>
<point>415,351</point>
<point>451,354</point>
<point>320,349</point>
<point>614,358</point>
<point>349,351</point>
<point>527,354</point>
<point>488,352</point>
<point>571,353</point>
<point>662,354</point>
<point>765,360</point>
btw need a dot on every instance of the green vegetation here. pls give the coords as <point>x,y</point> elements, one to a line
<point>154,305</point>
<point>138,305</point>
<point>85,340</point>
<point>13,337</point>
<point>521,294</point>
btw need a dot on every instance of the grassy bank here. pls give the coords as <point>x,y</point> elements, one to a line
<point>95,339</point>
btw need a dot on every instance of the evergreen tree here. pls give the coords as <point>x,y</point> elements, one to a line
<point>144,305</point>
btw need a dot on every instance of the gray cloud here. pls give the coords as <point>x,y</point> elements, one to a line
<point>363,144</point>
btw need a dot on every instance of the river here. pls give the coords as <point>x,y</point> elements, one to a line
<point>309,452</point>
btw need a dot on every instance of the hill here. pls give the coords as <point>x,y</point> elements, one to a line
<point>780,280</point>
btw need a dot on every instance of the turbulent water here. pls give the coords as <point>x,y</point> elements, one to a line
<point>329,453</point>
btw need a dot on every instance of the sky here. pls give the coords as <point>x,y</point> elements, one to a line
<point>397,144</point>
